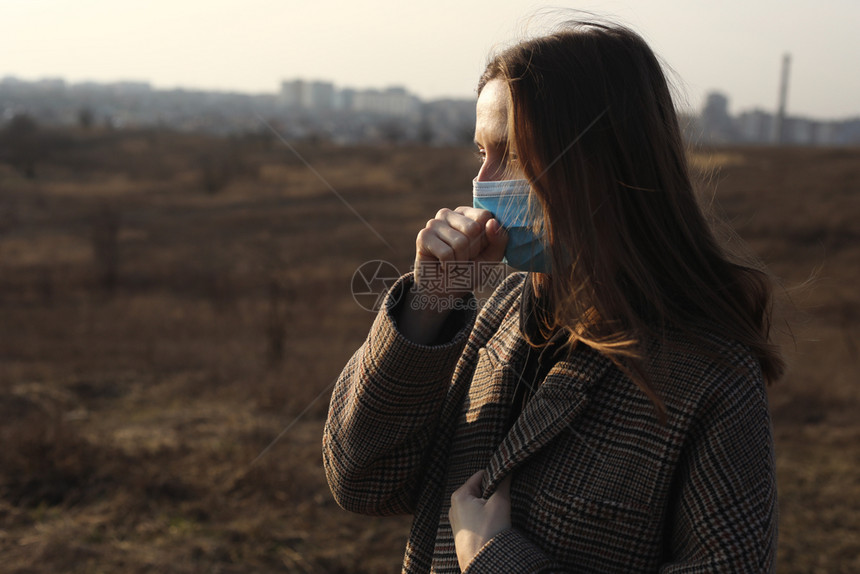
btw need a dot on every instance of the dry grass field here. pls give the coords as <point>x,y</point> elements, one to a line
<point>169,304</point>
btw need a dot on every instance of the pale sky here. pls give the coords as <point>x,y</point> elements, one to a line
<point>434,49</point>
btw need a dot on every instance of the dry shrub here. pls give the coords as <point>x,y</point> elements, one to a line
<point>222,164</point>
<point>8,212</point>
<point>45,461</point>
<point>22,145</point>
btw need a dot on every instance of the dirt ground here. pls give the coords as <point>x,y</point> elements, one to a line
<point>174,310</point>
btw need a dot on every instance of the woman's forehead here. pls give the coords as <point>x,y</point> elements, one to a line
<point>491,113</point>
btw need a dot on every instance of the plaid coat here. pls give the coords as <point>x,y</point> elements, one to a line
<point>599,485</point>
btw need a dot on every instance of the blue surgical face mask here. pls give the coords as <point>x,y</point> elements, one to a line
<point>508,201</point>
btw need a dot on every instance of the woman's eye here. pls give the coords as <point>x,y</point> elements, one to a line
<point>481,156</point>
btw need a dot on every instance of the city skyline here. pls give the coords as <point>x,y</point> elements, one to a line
<point>405,91</point>
<point>250,47</point>
<point>319,109</point>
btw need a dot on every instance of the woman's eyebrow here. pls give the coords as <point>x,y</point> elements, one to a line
<point>482,141</point>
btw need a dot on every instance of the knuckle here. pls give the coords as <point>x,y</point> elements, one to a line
<point>422,236</point>
<point>442,213</point>
<point>460,243</point>
<point>435,224</point>
<point>446,254</point>
<point>473,227</point>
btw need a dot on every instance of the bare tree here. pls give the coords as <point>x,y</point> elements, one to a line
<point>86,117</point>
<point>8,211</point>
<point>20,145</point>
<point>280,294</point>
<point>105,243</point>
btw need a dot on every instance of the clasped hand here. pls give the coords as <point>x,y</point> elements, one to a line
<point>465,234</point>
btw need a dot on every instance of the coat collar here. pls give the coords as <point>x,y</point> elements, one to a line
<point>558,401</point>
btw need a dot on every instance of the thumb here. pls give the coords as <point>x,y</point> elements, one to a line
<point>504,488</point>
<point>497,240</point>
<point>473,485</point>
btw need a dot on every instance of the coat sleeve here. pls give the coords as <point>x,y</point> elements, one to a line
<point>384,411</point>
<point>723,512</point>
<point>510,551</point>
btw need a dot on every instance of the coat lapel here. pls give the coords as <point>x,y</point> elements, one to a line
<point>558,401</point>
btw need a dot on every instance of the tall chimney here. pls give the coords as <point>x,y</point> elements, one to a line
<point>779,121</point>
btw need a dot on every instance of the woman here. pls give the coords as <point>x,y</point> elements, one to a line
<point>605,412</point>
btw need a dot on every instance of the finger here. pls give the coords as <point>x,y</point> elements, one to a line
<point>504,488</point>
<point>469,226</point>
<point>469,489</point>
<point>470,222</point>
<point>480,216</point>
<point>460,243</point>
<point>474,484</point>
<point>496,241</point>
<point>429,245</point>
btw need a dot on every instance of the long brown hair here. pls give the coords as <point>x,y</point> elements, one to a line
<point>596,133</point>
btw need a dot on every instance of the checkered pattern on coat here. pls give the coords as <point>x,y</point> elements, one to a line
<point>599,485</point>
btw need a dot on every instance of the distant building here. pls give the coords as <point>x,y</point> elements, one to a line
<point>716,122</point>
<point>848,132</point>
<point>345,99</point>
<point>758,126</point>
<point>131,88</point>
<point>827,133</point>
<point>755,126</point>
<point>50,84</point>
<point>449,121</point>
<point>798,131</point>
<point>317,109</point>
<point>321,95</point>
<point>393,102</point>
<point>302,95</point>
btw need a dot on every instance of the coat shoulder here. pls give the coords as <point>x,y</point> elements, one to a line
<point>495,309</point>
<point>702,368</point>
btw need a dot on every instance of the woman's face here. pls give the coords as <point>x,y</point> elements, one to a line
<point>491,131</point>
